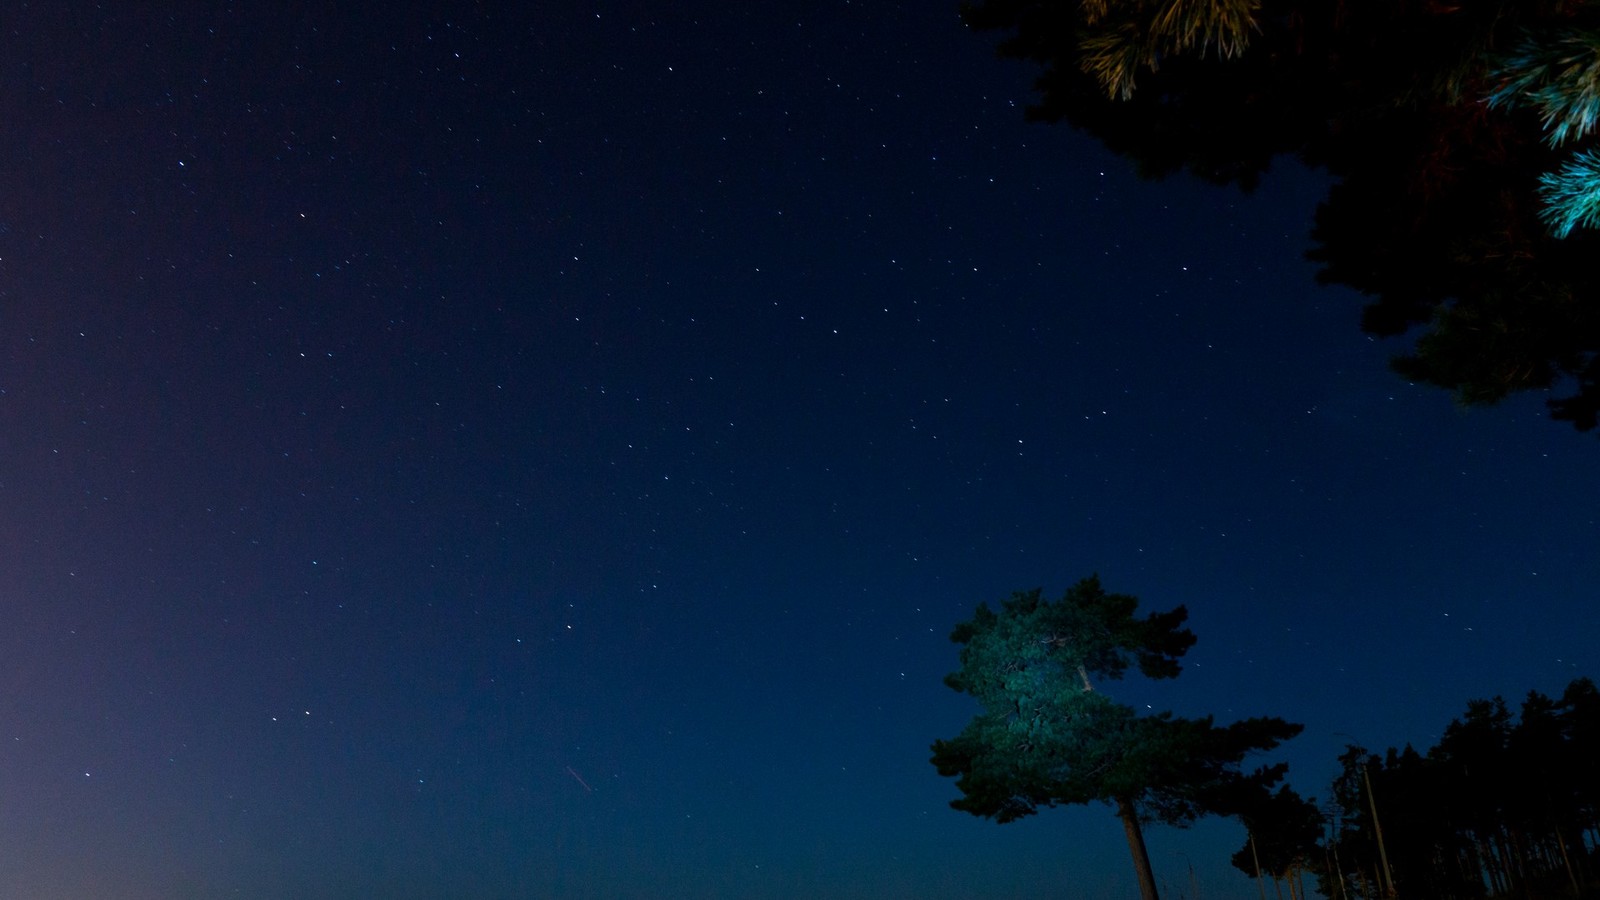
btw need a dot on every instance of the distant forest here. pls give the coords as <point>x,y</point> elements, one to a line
<point>1505,805</point>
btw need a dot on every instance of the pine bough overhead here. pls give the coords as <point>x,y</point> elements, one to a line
<point>1559,75</point>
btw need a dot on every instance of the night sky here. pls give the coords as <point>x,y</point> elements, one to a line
<point>480,451</point>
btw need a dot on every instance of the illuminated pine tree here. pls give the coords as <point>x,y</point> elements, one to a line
<point>1045,736</point>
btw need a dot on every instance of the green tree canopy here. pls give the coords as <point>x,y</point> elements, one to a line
<point>1461,137</point>
<point>1045,736</point>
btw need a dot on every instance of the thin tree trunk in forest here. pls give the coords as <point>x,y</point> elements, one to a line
<point>1577,890</point>
<point>1508,862</point>
<point>1553,861</point>
<point>1517,847</point>
<point>1584,851</point>
<point>1491,865</point>
<point>1377,831</point>
<point>1260,883</point>
<point>1497,864</point>
<point>1141,857</point>
<point>1338,867</point>
<point>1466,867</point>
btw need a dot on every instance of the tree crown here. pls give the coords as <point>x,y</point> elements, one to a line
<point>1046,736</point>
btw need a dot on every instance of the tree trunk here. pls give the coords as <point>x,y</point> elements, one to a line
<point>1260,882</point>
<point>1491,865</point>
<point>1338,867</point>
<point>1141,857</point>
<point>1577,889</point>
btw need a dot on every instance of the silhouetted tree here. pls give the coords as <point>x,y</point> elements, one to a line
<point>1580,728</point>
<point>1046,736</point>
<point>1461,137</point>
<point>1283,835</point>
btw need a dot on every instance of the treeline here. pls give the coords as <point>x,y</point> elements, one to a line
<point>1505,805</point>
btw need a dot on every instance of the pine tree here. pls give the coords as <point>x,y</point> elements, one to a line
<point>1283,830</point>
<point>1122,37</point>
<point>1046,735</point>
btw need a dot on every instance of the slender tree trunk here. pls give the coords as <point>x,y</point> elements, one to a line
<point>1377,830</point>
<point>1585,874</point>
<point>1141,857</point>
<point>1577,889</point>
<point>1338,867</point>
<point>1260,883</point>
<point>1491,865</point>
<point>1473,873</point>
<point>1517,848</point>
<point>1508,862</point>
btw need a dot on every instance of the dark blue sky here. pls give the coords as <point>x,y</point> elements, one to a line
<point>462,452</point>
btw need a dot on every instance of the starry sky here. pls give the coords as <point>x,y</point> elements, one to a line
<point>482,451</point>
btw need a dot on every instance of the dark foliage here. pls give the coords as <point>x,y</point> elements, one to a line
<point>1460,135</point>
<point>1503,805</point>
<point>1284,831</point>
